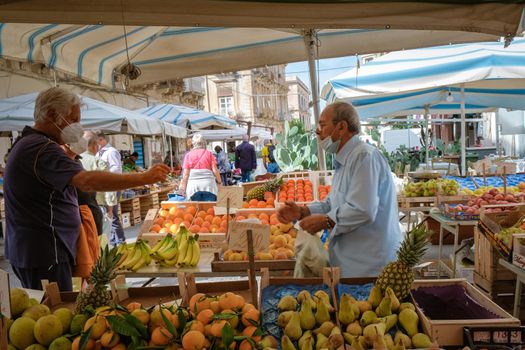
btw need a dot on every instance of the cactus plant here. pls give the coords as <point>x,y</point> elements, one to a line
<point>296,150</point>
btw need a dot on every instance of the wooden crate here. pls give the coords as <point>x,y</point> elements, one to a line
<point>132,206</point>
<point>149,202</point>
<point>219,265</point>
<point>486,264</point>
<point>450,332</point>
<point>420,203</point>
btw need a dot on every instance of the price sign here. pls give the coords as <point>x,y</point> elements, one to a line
<point>234,193</point>
<point>238,239</point>
<point>501,337</point>
<point>5,302</point>
<point>515,337</point>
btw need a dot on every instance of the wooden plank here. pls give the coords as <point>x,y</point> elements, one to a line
<point>238,266</point>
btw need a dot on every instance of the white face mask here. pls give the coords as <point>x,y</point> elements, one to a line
<point>328,145</point>
<point>72,133</point>
<point>79,147</point>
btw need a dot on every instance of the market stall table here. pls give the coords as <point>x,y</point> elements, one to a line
<point>520,279</point>
<point>452,226</point>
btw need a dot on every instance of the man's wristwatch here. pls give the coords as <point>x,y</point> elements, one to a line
<point>329,223</point>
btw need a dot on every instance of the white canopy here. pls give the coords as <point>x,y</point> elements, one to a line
<point>17,112</point>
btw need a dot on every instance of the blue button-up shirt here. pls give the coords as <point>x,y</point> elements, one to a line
<point>363,205</point>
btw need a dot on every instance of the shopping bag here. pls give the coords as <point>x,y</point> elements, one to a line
<point>106,228</point>
<point>310,255</point>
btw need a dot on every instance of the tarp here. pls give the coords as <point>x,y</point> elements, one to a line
<point>97,52</point>
<point>17,112</point>
<point>224,134</point>
<point>494,17</point>
<point>186,116</point>
<point>493,76</point>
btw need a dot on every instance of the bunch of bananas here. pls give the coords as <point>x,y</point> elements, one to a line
<point>134,256</point>
<point>166,252</point>
<point>189,250</point>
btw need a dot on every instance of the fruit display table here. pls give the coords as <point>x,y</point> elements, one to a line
<point>453,227</point>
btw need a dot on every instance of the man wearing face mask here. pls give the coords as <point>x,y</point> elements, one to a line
<point>360,212</point>
<point>41,204</point>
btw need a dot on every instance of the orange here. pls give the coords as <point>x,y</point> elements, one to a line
<point>245,205</point>
<point>271,202</point>
<point>198,302</point>
<point>216,328</point>
<point>206,224</point>
<point>133,306</point>
<point>195,229</point>
<point>159,221</point>
<point>253,202</point>
<point>215,228</point>
<point>208,218</point>
<point>161,336</point>
<point>191,210</point>
<point>205,316</point>
<point>186,223</point>
<point>188,217</point>
<point>155,228</point>
<point>193,340</point>
<point>177,221</point>
<point>252,216</point>
<point>264,216</point>
<point>251,317</point>
<point>202,214</point>
<point>261,204</point>
<point>198,221</point>
<point>172,210</point>
<point>245,345</point>
<point>197,326</point>
<point>210,211</point>
<point>216,221</point>
<point>203,229</point>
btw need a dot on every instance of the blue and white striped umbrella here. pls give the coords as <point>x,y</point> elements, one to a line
<point>96,53</point>
<point>404,82</point>
<point>182,116</point>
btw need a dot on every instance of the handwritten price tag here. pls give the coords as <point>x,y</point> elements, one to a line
<point>5,303</point>
<point>238,239</point>
<point>234,193</point>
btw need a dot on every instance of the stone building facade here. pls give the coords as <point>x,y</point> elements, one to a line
<point>298,100</point>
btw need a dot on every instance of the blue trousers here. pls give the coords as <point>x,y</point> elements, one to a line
<point>245,175</point>
<point>32,277</point>
<point>203,196</point>
<point>117,232</point>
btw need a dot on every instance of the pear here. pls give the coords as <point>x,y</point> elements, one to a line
<point>287,303</point>
<point>269,341</point>
<point>286,343</point>
<point>349,337</point>
<point>303,295</point>
<point>322,314</point>
<point>356,345</point>
<point>293,328</point>
<point>354,328</point>
<point>306,335</point>
<point>375,296</point>
<point>409,320</point>
<point>321,295</point>
<point>389,292</point>
<point>306,316</point>
<point>389,342</point>
<point>364,343</point>
<point>322,342</point>
<point>336,338</point>
<point>367,318</point>
<point>406,305</point>
<point>384,308</point>
<point>379,343</point>
<point>373,330</point>
<point>421,341</point>
<point>389,321</point>
<point>364,305</point>
<point>325,328</point>
<point>400,345</point>
<point>308,344</point>
<point>284,318</point>
<point>404,339</point>
<point>346,313</point>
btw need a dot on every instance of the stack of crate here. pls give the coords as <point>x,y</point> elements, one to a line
<point>132,206</point>
<point>147,203</point>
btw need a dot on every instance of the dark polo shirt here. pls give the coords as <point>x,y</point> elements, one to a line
<point>41,207</point>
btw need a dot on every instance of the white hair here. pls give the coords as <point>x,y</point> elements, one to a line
<point>346,112</point>
<point>198,141</point>
<point>57,99</point>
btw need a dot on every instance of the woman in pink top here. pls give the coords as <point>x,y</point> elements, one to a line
<point>201,175</point>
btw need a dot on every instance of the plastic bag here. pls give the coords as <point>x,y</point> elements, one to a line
<point>106,228</point>
<point>310,255</point>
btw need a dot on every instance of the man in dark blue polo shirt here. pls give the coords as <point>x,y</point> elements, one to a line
<point>41,205</point>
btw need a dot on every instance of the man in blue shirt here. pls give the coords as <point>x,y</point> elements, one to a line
<point>360,212</point>
<point>245,158</point>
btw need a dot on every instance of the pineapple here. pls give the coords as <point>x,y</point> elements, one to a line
<point>269,186</point>
<point>398,274</point>
<point>97,293</point>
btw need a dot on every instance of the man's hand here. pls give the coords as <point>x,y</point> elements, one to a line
<point>288,212</point>
<point>313,223</point>
<point>156,173</point>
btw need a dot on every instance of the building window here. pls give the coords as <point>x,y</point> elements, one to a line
<point>225,105</point>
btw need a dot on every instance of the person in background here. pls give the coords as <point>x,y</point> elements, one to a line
<point>360,212</point>
<point>111,156</point>
<point>201,175</point>
<point>268,157</point>
<point>131,161</point>
<point>223,164</point>
<point>176,168</point>
<point>245,158</point>
<point>104,200</point>
<point>41,203</point>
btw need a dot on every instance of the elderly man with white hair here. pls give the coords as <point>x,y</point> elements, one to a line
<point>360,212</point>
<point>41,205</point>
<point>201,175</point>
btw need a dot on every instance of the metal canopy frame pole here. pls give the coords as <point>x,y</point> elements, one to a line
<point>463,133</point>
<point>310,44</point>
<point>427,135</point>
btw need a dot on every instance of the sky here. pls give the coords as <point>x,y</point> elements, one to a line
<point>328,69</point>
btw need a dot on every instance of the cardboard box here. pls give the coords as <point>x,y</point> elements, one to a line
<point>125,220</point>
<point>518,251</point>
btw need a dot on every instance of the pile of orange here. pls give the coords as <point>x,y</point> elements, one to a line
<point>169,220</point>
<point>265,219</point>
<point>299,190</point>
<point>254,203</point>
<point>323,191</point>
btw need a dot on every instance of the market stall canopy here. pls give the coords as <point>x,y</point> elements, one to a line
<point>224,134</point>
<point>500,18</point>
<point>17,112</point>
<point>97,53</point>
<point>186,116</point>
<point>492,76</point>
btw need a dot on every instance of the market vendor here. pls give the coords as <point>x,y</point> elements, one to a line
<point>130,162</point>
<point>360,212</point>
<point>41,205</point>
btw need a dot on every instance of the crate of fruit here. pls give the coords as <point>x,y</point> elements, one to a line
<point>298,190</point>
<point>500,222</point>
<point>460,212</point>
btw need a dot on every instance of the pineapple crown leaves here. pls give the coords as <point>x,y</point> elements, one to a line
<point>414,245</point>
<point>104,270</point>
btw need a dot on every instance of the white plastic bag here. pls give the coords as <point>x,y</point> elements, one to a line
<point>310,255</point>
<point>106,228</point>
